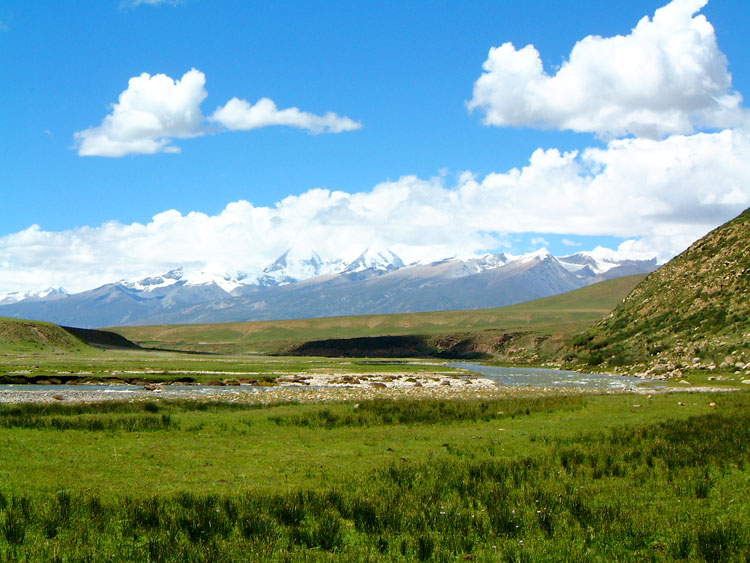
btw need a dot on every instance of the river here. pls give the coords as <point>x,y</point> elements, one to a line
<point>540,377</point>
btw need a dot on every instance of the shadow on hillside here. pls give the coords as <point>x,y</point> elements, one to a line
<point>410,346</point>
<point>101,338</point>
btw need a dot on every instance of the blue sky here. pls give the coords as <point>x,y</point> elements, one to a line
<point>405,74</point>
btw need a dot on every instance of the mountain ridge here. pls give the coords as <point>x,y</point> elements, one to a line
<point>295,286</point>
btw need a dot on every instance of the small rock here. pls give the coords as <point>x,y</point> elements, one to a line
<point>685,382</point>
<point>681,403</point>
<point>61,397</point>
<point>712,404</point>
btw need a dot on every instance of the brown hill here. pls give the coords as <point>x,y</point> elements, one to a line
<point>692,313</point>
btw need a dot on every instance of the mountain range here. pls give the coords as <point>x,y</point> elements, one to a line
<point>300,285</point>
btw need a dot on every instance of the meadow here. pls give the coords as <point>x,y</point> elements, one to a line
<point>551,478</point>
<point>155,366</point>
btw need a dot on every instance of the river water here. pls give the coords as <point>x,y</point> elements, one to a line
<point>521,377</point>
<point>540,377</point>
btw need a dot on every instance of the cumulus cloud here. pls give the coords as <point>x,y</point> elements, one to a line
<point>154,110</point>
<point>148,115</point>
<point>667,76</point>
<point>241,115</point>
<point>658,195</point>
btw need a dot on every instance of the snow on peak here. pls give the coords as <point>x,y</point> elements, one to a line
<point>151,283</point>
<point>224,281</point>
<point>373,259</point>
<point>293,266</point>
<point>470,265</point>
<point>600,260</point>
<point>491,261</point>
<point>541,254</point>
<point>6,298</point>
<point>178,277</point>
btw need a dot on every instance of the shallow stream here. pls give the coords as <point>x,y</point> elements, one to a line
<point>519,376</point>
<point>540,377</point>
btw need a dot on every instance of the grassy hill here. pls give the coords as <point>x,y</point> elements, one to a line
<point>35,336</point>
<point>693,313</point>
<point>20,335</point>
<point>502,332</point>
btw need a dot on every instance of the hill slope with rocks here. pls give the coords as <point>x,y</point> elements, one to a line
<point>692,313</point>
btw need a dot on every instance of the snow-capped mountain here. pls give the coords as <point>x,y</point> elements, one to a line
<point>374,260</point>
<point>599,264</point>
<point>16,296</point>
<point>293,266</point>
<point>153,283</point>
<point>178,278</point>
<point>461,267</point>
<point>302,284</point>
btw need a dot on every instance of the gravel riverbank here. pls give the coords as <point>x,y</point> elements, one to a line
<point>313,388</point>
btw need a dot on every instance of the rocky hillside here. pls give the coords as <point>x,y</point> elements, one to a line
<point>692,313</point>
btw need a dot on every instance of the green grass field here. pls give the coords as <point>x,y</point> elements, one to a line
<point>137,366</point>
<point>557,478</point>
<point>18,335</point>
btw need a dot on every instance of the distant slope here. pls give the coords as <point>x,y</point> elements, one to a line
<point>34,336</point>
<point>692,312</point>
<point>551,318</point>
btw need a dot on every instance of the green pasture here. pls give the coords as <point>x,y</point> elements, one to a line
<point>131,366</point>
<point>555,478</point>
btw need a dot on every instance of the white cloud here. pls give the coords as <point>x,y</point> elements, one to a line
<point>659,195</point>
<point>240,115</point>
<point>149,114</point>
<point>154,110</point>
<point>539,241</point>
<point>568,242</point>
<point>667,76</point>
